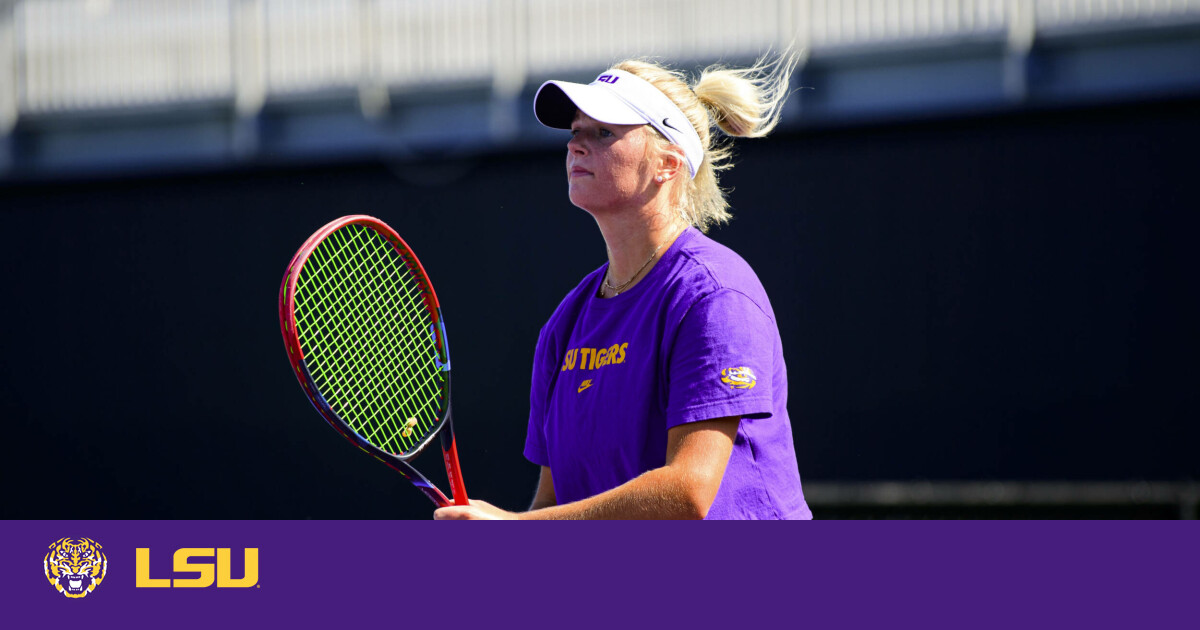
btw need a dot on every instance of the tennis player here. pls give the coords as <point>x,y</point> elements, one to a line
<point>659,387</point>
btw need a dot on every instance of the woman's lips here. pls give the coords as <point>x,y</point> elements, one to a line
<point>578,172</point>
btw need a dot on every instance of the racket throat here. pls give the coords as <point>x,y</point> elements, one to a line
<point>415,477</point>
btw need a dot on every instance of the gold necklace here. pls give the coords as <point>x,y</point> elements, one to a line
<point>617,290</point>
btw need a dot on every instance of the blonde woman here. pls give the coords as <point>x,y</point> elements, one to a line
<point>659,387</point>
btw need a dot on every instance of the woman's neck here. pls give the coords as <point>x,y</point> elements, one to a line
<point>635,241</point>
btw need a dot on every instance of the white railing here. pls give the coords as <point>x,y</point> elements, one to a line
<point>86,55</point>
<point>1083,12</point>
<point>80,55</point>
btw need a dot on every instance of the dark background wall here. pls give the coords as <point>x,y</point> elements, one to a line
<point>1007,297</point>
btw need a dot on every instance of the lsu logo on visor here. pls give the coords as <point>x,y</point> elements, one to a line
<point>738,377</point>
<point>75,566</point>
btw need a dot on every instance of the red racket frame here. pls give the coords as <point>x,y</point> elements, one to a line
<point>291,341</point>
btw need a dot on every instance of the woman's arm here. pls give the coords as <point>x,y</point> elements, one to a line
<point>685,487</point>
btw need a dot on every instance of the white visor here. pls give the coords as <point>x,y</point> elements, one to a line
<point>619,98</point>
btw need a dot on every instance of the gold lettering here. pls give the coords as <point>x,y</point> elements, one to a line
<point>183,566</point>
<point>142,570</point>
<point>621,353</point>
<point>602,361</point>
<point>246,581</point>
<point>583,358</point>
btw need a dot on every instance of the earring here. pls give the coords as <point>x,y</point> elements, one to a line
<point>658,179</point>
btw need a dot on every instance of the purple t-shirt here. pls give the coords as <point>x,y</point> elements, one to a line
<point>694,340</point>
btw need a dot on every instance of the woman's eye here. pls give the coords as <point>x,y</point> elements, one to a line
<point>598,133</point>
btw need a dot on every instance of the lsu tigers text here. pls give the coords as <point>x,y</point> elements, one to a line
<point>594,358</point>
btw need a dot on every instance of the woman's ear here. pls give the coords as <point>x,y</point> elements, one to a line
<point>670,165</point>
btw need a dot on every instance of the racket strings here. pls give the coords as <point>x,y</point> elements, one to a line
<point>375,340</point>
<point>368,340</point>
<point>389,422</point>
<point>360,341</point>
<point>427,389</point>
<point>357,403</point>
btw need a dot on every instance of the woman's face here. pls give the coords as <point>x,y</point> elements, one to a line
<point>608,166</point>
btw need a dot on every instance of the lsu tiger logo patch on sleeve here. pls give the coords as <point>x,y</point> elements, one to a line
<point>738,377</point>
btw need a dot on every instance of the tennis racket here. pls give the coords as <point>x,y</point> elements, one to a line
<point>364,334</point>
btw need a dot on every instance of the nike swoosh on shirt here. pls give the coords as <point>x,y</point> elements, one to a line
<point>584,385</point>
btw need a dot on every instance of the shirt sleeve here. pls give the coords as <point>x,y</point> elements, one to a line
<point>543,367</point>
<point>722,361</point>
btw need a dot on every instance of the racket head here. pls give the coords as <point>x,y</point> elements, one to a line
<point>365,337</point>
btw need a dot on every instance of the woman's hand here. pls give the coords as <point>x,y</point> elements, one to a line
<point>476,511</point>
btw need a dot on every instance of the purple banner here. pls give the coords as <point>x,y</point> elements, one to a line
<point>567,575</point>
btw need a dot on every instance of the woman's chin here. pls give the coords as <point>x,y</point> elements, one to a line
<point>580,199</point>
<point>590,208</point>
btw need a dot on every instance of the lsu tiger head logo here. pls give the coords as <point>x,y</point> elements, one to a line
<point>75,566</point>
<point>738,377</point>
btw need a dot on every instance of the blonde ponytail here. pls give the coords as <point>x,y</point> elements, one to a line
<point>741,102</point>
